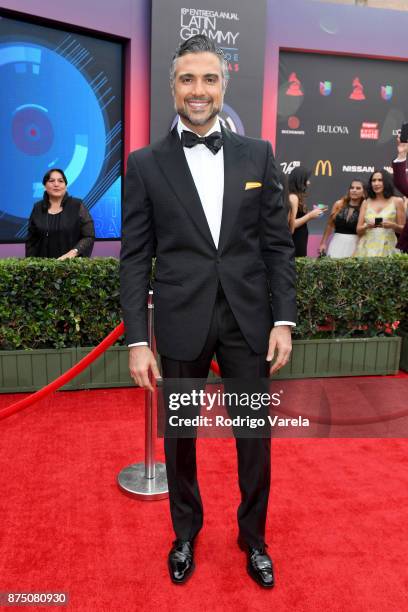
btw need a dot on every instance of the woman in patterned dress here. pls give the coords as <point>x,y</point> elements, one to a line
<point>381,215</point>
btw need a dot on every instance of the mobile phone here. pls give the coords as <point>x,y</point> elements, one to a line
<point>321,207</point>
<point>378,220</point>
<point>404,133</point>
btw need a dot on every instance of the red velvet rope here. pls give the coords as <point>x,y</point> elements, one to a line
<point>72,372</point>
<point>67,376</point>
<point>215,368</point>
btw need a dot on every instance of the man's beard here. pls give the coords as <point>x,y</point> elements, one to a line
<point>198,120</point>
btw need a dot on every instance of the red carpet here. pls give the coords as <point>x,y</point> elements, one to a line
<point>337,523</point>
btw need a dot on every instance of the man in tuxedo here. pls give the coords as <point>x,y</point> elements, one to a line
<point>208,203</point>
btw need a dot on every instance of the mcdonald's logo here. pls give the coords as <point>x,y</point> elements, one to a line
<point>323,167</point>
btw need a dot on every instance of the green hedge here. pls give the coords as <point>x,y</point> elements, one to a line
<point>351,297</point>
<point>47,303</point>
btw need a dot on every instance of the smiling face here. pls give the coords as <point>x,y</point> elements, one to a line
<point>55,185</point>
<point>198,90</point>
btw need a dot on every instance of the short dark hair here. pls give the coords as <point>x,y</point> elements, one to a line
<point>387,183</point>
<point>199,44</point>
<point>47,175</point>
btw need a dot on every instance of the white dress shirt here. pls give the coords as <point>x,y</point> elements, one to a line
<point>207,171</point>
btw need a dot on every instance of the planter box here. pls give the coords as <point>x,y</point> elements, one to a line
<point>404,350</point>
<point>23,371</point>
<point>343,357</point>
<point>30,370</point>
<point>111,369</point>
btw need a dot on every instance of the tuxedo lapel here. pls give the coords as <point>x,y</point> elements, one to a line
<point>172,161</point>
<point>235,163</point>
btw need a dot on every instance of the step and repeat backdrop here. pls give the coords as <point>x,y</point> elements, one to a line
<point>339,116</point>
<point>238,27</point>
<point>60,106</point>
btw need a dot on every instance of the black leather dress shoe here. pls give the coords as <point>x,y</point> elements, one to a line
<point>259,564</point>
<point>181,563</point>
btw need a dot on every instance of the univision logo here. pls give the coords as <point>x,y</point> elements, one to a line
<point>386,92</point>
<point>325,88</point>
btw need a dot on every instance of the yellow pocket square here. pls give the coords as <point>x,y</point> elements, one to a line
<point>253,185</point>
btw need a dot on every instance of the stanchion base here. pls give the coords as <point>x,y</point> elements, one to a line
<point>132,480</point>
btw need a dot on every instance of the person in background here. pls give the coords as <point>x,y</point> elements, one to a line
<point>343,221</point>
<point>299,216</point>
<point>381,215</point>
<point>399,166</point>
<point>60,226</point>
<point>283,180</point>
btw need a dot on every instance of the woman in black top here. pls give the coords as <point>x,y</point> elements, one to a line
<point>343,220</point>
<point>299,215</point>
<point>59,226</point>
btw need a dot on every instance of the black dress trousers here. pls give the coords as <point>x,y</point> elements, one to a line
<point>237,361</point>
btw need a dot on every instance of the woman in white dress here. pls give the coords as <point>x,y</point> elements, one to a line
<point>343,221</point>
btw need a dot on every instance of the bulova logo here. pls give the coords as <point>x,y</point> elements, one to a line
<point>333,129</point>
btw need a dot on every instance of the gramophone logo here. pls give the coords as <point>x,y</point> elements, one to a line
<point>325,88</point>
<point>386,92</point>
<point>295,86</point>
<point>358,90</point>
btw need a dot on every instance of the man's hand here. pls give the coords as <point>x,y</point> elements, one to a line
<point>280,340</point>
<point>141,363</point>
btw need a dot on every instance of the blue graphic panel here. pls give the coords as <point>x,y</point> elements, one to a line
<point>106,213</point>
<point>62,109</point>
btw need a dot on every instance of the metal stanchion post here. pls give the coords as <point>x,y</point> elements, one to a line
<point>147,480</point>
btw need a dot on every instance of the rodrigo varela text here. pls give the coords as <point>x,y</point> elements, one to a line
<point>238,421</point>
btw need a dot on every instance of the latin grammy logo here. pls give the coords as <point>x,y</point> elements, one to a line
<point>295,86</point>
<point>358,90</point>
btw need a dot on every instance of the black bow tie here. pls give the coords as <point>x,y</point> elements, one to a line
<point>213,142</point>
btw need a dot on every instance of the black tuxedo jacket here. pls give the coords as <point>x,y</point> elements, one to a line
<point>163,216</point>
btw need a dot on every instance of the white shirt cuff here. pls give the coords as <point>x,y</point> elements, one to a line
<point>138,344</point>
<point>277,323</point>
